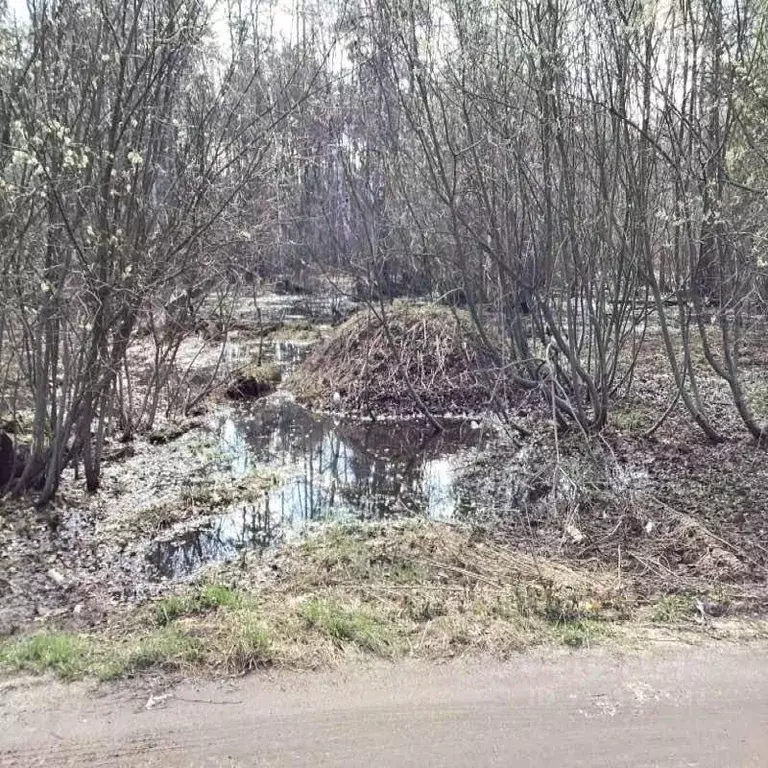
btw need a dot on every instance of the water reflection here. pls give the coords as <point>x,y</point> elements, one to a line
<point>286,354</point>
<point>248,527</point>
<point>334,469</point>
<point>329,470</point>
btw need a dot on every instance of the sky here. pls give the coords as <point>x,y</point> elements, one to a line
<point>282,21</point>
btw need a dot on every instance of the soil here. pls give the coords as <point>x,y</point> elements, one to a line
<point>683,707</point>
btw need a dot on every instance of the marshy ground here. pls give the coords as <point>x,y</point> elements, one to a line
<point>263,534</point>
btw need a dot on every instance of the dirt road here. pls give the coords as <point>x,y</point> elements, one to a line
<point>677,708</point>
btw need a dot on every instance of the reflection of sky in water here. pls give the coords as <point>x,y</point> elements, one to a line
<point>327,470</point>
<point>239,530</point>
<point>285,354</point>
<point>335,470</point>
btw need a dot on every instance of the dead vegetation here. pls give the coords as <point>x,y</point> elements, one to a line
<point>668,517</point>
<point>602,539</point>
<point>387,363</point>
<point>406,589</point>
<point>254,381</point>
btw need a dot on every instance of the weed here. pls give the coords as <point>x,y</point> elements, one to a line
<point>169,609</point>
<point>168,648</point>
<point>247,645</point>
<point>219,596</point>
<point>578,634</point>
<point>209,597</point>
<point>342,624</point>
<point>671,609</point>
<point>63,653</point>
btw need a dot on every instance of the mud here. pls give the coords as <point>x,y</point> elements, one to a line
<point>238,478</point>
<point>672,514</point>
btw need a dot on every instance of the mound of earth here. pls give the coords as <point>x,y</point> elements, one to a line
<point>380,365</point>
<point>253,382</point>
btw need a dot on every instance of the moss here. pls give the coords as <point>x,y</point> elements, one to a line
<point>630,418</point>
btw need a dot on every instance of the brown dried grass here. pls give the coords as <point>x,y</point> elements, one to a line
<point>373,363</point>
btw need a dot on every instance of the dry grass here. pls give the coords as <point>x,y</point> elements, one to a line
<point>413,589</point>
<point>369,363</point>
<point>254,381</point>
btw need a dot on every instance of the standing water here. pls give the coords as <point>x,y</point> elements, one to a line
<point>326,470</point>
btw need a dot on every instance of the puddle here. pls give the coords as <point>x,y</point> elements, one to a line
<point>216,542</point>
<point>328,308</point>
<point>329,470</point>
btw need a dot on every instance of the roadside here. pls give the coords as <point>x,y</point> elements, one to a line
<point>670,708</point>
<point>408,589</point>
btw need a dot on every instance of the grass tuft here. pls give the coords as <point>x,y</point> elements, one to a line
<point>387,590</point>
<point>63,653</point>
<point>209,597</point>
<point>580,633</point>
<point>344,624</point>
<point>168,648</point>
<point>247,645</point>
<point>671,609</point>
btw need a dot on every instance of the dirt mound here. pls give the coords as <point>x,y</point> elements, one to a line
<point>253,382</point>
<point>373,365</point>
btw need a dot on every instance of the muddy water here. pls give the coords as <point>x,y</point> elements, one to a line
<point>325,470</point>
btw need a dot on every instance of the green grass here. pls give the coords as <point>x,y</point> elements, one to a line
<point>168,648</point>
<point>580,633</point>
<point>171,608</point>
<point>209,597</point>
<point>414,589</point>
<point>72,656</point>
<point>220,596</point>
<point>248,644</point>
<point>63,653</point>
<point>346,624</point>
<point>671,609</point>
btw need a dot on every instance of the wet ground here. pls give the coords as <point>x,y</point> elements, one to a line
<point>241,478</point>
<point>670,511</point>
<point>324,470</point>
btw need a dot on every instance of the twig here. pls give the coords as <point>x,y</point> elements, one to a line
<point>207,701</point>
<point>692,521</point>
